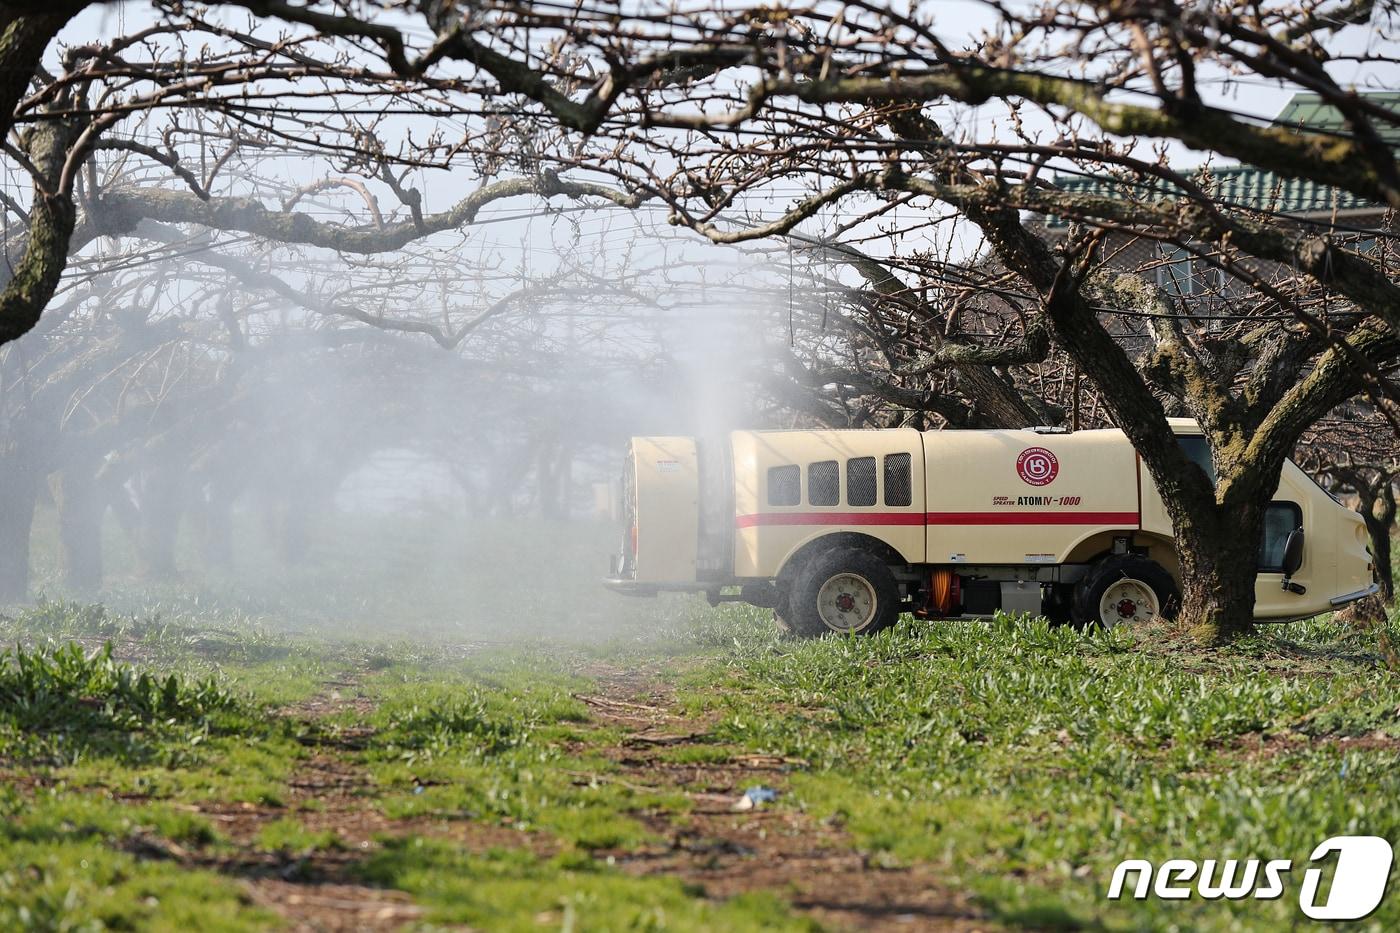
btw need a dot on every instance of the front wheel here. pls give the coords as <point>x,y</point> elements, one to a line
<point>1125,589</point>
<point>782,617</point>
<point>846,591</point>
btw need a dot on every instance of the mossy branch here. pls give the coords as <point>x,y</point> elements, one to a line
<point>249,215</point>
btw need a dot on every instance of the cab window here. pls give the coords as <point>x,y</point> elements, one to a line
<point>1198,451</point>
<point>1280,520</point>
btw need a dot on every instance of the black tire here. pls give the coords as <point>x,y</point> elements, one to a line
<point>1057,605</point>
<point>1112,570</point>
<point>871,585</point>
<point>782,613</point>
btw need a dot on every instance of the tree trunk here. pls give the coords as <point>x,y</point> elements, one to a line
<point>505,476</point>
<point>80,510</point>
<point>547,479</point>
<point>1218,555</point>
<point>26,29</point>
<point>217,538</point>
<point>51,220</point>
<point>294,538</point>
<point>1379,528</point>
<point>998,404</point>
<point>1218,529</point>
<point>16,521</point>
<point>162,504</point>
<point>562,481</point>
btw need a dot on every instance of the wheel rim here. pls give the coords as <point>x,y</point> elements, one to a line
<point>1127,601</point>
<point>846,603</point>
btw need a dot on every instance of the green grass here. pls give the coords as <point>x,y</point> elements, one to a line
<point>1020,762</point>
<point>1027,761</point>
<point>61,704</point>
<point>71,861</point>
<point>95,752</point>
<point>505,890</point>
<point>111,758</point>
<point>505,744</point>
<point>290,835</point>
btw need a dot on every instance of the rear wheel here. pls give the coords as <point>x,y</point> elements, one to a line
<point>846,591</point>
<point>1125,589</point>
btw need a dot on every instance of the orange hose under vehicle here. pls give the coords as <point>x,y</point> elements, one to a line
<point>942,587</point>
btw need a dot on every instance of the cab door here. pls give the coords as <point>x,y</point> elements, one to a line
<point>1280,520</point>
<point>1292,507</point>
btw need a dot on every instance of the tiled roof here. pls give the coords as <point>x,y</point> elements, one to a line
<point>1237,185</point>
<point>1245,186</point>
<point>1307,112</point>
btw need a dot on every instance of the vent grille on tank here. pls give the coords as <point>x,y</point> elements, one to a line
<point>824,483</point>
<point>899,487</point>
<point>784,485</point>
<point>860,481</point>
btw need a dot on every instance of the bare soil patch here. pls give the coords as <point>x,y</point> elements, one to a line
<point>1257,746</point>
<point>315,890</point>
<point>816,865</point>
<point>336,908</point>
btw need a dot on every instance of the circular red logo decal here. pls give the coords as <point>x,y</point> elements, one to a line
<point>1037,466</point>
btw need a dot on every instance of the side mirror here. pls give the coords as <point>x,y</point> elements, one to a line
<point>1293,552</point>
<point>1292,560</point>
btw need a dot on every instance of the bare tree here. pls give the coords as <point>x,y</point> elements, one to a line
<point>720,113</point>
<point>182,376</point>
<point>197,100</point>
<point>712,110</point>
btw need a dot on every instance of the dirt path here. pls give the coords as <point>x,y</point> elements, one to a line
<point>816,866</point>
<point>313,891</point>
